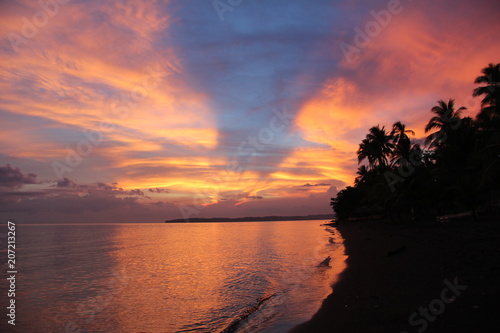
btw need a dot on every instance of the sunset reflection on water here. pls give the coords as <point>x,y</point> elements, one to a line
<point>175,277</point>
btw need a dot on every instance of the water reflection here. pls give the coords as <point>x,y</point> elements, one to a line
<point>173,277</point>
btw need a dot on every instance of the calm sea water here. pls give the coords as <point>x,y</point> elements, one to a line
<point>186,277</point>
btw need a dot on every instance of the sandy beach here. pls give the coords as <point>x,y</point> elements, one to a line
<point>423,277</point>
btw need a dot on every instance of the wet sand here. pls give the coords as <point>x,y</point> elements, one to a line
<point>432,277</point>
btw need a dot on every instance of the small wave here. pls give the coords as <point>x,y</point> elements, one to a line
<point>247,313</point>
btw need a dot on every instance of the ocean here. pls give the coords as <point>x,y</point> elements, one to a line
<point>182,277</point>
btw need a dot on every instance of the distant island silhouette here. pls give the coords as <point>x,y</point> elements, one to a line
<point>253,218</point>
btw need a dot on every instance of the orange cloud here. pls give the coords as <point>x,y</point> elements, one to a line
<point>77,72</point>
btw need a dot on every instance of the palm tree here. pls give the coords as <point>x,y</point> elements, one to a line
<point>382,146</point>
<point>376,147</point>
<point>365,151</point>
<point>362,173</point>
<point>490,104</point>
<point>445,120</point>
<point>402,143</point>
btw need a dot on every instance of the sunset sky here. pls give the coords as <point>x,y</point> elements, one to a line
<point>141,111</point>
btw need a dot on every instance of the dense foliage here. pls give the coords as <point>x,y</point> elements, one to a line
<point>456,169</point>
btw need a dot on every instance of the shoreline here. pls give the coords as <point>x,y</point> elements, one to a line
<point>395,271</point>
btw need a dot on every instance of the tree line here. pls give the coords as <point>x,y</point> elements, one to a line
<point>455,169</point>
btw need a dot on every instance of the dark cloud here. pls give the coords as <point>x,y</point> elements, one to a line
<point>66,182</point>
<point>238,195</point>
<point>106,187</point>
<point>254,197</point>
<point>70,201</point>
<point>113,189</point>
<point>136,192</point>
<point>13,178</point>
<point>158,190</point>
<point>66,196</point>
<point>312,185</point>
<point>161,204</point>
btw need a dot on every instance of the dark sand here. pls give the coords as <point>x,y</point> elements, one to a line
<point>385,283</point>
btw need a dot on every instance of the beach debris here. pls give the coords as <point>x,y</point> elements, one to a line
<point>396,251</point>
<point>326,262</point>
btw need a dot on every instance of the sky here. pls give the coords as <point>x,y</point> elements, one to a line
<point>141,111</point>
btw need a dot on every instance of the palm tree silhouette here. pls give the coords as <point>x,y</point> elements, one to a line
<point>365,151</point>
<point>376,147</point>
<point>445,120</point>
<point>402,143</point>
<point>456,171</point>
<point>362,174</point>
<point>490,104</point>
